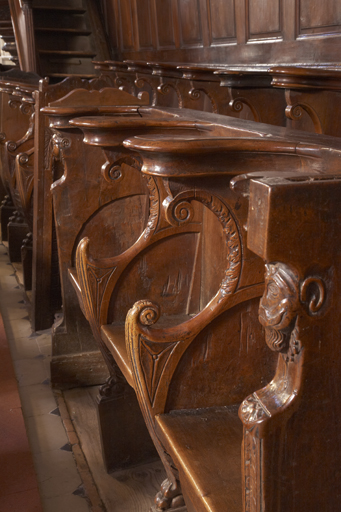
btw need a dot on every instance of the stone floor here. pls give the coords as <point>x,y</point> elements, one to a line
<point>62,429</point>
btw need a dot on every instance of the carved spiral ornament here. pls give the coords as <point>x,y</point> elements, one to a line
<point>26,109</point>
<point>2,136</point>
<point>115,172</point>
<point>149,313</point>
<point>23,158</point>
<point>182,212</point>
<point>11,145</point>
<point>294,112</point>
<point>165,89</point>
<point>237,105</point>
<point>112,172</point>
<point>195,94</point>
<point>13,103</point>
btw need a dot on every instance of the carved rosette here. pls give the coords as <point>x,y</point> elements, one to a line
<point>179,211</point>
<point>252,410</point>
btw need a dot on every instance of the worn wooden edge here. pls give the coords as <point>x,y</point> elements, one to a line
<point>81,462</point>
<point>78,370</point>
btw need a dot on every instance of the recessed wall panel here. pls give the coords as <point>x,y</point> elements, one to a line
<point>190,23</point>
<point>144,23</point>
<point>222,21</point>
<point>319,17</point>
<point>127,32</point>
<point>165,24</point>
<point>264,19</point>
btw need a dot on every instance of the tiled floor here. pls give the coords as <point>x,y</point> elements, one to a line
<point>59,482</point>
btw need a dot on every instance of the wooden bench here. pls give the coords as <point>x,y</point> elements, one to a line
<point>115,222</point>
<point>80,192</point>
<point>192,379</point>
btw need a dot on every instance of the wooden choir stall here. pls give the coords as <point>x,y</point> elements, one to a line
<point>170,186</point>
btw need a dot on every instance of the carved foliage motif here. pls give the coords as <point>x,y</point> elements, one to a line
<point>154,358</point>
<point>179,211</point>
<point>252,484</point>
<point>154,202</point>
<point>98,279</point>
<point>253,410</point>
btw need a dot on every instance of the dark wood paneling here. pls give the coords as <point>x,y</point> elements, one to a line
<point>264,19</point>
<point>145,34</point>
<point>216,31</point>
<point>190,23</point>
<point>318,17</point>
<point>164,24</point>
<point>126,17</point>
<point>222,21</point>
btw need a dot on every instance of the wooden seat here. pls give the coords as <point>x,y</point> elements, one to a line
<point>205,446</point>
<point>198,364</point>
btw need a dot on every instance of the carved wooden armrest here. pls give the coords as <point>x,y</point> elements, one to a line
<point>24,181</point>
<point>13,146</point>
<point>291,424</point>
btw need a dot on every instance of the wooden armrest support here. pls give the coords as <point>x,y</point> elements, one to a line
<point>294,419</point>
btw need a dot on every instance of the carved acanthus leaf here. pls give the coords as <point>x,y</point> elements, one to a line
<point>179,211</point>
<point>154,202</point>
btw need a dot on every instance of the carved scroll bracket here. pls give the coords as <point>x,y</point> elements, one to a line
<point>113,172</point>
<point>165,87</point>
<point>196,92</point>
<point>237,105</point>
<point>141,81</point>
<point>294,111</point>
<point>13,146</point>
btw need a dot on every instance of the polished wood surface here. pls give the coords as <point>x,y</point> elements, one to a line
<point>223,31</point>
<point>294,417</point>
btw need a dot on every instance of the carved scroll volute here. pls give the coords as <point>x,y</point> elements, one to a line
<point>237,104</point>
<point>286,303</point>
<point>295,111</point>
<point>14,145</point>
<point>144,314</point>
<point>24,179</point>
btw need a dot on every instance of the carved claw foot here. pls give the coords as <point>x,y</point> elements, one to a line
<point>112,388</point>
<point>169,498</point>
